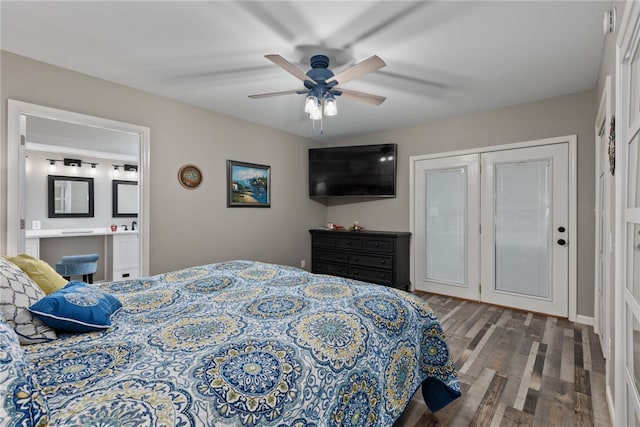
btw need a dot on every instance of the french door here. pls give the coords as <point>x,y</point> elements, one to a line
<point>627,396</point>
<point>447,226</point>
<point>494,227</point>
<point>525,232</point>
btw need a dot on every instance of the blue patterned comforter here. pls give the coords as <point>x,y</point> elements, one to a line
<point>243,343</point>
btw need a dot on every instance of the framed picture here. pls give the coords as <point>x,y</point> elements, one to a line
<point>248,185</point>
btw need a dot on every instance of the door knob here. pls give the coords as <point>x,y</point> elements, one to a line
<point>562,242</point>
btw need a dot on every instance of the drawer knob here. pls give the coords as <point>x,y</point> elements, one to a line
<point>357,259</point>
<point>383,261</point>
<point>356,272</point>
<point>348,242</point>
<point>377,245</point>
<point>382,276</point>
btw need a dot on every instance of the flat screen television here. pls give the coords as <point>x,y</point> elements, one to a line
<point>355,171</point>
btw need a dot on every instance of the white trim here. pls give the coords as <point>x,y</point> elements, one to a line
<point>35,146</point>
<point>611,405</point>
<point>584,320</point>
<point>603,117</point>
<point>573,203</point>
<point>18,108</point>
<point>500,147</point>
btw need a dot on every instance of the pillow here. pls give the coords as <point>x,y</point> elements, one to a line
<point>21,402</point>
<point>17,293</point>
<point>77,307</point>
<point>40,272</point>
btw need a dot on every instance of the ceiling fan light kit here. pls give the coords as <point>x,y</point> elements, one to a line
<point>321,85</point>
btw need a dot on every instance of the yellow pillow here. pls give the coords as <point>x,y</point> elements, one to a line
<point>40,272</point>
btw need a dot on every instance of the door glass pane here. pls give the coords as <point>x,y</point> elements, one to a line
<point>633,192</point>
<point>445,225</point>
<point>634,342</point>
<point>633,259</point>
<point>523,227</point>
<point>632,417</point>
<point>634,77</point>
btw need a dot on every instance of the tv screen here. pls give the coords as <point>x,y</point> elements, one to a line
<point>360,170</point>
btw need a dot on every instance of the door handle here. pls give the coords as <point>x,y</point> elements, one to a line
<point>562,242</point>
<point>561,229</point>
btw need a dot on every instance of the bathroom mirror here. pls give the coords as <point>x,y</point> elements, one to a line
<point>125,198</point>
<point>70,196</point>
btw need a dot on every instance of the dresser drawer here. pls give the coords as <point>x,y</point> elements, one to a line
<point>349,242</point>
<point>322,267</point>
<point>379,245</point>
<point>330,255</point>
<point>381,261</point>
<point>328,241</point>
<point>370,275</point>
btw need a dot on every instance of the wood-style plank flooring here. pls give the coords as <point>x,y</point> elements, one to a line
<point>516,369</point>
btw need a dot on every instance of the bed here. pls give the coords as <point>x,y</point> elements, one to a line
<point>244,343</point>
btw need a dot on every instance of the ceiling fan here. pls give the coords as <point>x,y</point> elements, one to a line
<point>321,85</point>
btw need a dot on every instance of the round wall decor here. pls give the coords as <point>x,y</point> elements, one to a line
<point>189,176</point>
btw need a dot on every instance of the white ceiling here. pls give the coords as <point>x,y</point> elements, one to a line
<point>443,59</point>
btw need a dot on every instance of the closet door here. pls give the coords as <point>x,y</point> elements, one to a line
<point>446,230</point>
<point>525,230</point>
<point>628,232</point>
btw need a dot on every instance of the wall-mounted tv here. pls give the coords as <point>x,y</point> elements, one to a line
<point>355,171</point>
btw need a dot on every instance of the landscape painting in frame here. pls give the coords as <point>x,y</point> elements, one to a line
<point>248,185</point>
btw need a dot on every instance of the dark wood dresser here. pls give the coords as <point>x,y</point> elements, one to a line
<point>372,256</point>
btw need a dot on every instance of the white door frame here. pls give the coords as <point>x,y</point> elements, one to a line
<point>15,110</point>
<point>573,213</point>
<point>602,124</point>
<point>603,119</point>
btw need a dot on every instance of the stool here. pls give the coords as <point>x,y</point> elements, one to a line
<point>76,265</point>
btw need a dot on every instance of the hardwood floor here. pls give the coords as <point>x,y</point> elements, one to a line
<point>516,369</point>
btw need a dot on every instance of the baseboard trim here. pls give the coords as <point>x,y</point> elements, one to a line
<point>585,320</point>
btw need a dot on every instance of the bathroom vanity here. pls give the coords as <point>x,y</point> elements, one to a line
<point>119,250</point>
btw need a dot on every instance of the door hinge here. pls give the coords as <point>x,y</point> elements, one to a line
<point>480,169</point>
<point>22,224</point>
<point>480,288</point>
<point>480,228</point>
<point>23,140</point>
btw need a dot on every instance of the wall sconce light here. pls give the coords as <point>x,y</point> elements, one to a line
<point>74,163</point>
<point>52,165</point>
<point>132,171</point>
<point>116,171</point>
<point>94,170</point>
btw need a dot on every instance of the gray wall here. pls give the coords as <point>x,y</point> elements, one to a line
<point>188,227</point>
<point>565,115</point>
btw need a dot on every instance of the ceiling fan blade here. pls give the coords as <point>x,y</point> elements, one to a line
<point>361,96</point>
<point>360,69</point>
<point>289,67</point>
<point>266,95</point>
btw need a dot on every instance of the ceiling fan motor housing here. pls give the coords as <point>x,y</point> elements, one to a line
<point>319,71</point>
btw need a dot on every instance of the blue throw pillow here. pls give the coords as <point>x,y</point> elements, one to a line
<point>77,307</point>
